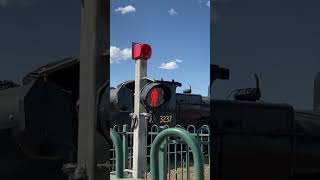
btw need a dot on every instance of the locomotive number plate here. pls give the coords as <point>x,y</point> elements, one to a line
<point>165,119</point>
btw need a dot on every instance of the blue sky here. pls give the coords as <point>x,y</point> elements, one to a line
<point>177,30</point>
<point>278,39</point>
<point>36,32</point>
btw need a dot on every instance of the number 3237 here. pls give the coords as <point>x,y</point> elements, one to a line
<point>165,119</point>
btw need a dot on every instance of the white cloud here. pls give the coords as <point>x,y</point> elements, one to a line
<point>125,10</point>
<point>117,55</point>
<point>173,12</point>
<point>171,65</point>
<point>208,4</point>
<point>10,3</point>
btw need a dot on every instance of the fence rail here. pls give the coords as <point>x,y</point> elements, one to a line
<point>178,162</point>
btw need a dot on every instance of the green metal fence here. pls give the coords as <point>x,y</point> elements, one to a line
<point>186,137</point>
<point>178,159</point>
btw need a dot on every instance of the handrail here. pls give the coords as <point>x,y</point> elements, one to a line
<point>119,153</point>
<point>189,139</point>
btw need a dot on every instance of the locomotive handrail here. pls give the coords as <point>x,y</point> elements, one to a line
<point>119,153</point>
<point>189,139</point>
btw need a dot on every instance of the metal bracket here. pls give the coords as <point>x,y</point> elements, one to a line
<point>147,116</point>
<point>134,122</point>
<point>134,118</point>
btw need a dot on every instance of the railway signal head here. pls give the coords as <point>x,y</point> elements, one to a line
<point>159,98</point>
<point>141,51</point>
<point>154,95</point>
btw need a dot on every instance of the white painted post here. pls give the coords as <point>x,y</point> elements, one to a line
<point>139,136</point>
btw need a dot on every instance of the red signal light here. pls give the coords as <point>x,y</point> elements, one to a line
<point>155,97</point>
<point>141,51</point>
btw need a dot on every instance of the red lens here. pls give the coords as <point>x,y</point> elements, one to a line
<point>155,97</point>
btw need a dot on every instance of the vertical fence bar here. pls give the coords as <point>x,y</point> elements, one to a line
<point>169,158</point>
<point>181,160</point>
<point>131,145</point>
<point>125,145</point>
<point>175,160</point>
<point>163,160</point>
<point>188,153</point>
<point>201,139</point>
<point>187,162</point>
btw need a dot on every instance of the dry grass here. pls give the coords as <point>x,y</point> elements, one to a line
<point>182,175</point>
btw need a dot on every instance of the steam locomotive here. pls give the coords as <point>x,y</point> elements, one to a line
<point>249,138</point>
<point>39,118</point>
<point>252,139</point>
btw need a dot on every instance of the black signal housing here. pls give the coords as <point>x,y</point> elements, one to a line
<point>159,98</point>
<point>154,95</point>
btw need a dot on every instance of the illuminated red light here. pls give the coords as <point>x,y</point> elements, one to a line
<point>141,51</point>
<point>154,95</point>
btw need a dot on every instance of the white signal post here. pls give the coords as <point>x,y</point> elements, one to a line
<point>141,52</point>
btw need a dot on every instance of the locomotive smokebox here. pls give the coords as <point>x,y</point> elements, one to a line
<point>316,96</point>
<point>121,99</point>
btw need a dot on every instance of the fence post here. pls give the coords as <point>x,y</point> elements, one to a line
<point>119,152</point>
<point>163,159</point>
<point>125,145</point>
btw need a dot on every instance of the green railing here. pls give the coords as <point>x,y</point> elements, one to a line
<point>119,153</point>
<point>176,160</point>
<point>189,139</point>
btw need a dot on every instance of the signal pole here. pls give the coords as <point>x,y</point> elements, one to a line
<point>94,73</point>
<point>139,133</point>
<point>140,53</point>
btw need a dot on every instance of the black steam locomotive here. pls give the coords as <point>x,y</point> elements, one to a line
<point>252,139</point>
<point>184,108</point>
<point>39,118</point>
